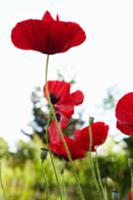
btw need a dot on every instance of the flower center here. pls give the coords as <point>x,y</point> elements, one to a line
<point>54,98</point>
<point>58,116</point>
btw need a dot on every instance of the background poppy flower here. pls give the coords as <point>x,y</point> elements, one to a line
<point>124,114</point>
<point>47,35</point>
<point>61,98</point>
<point>78,144</point>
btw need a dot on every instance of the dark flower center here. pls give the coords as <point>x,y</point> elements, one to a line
<point>58,116</point>
<point>54,98</point>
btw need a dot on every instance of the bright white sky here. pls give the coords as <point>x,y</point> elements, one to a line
<point>104,59</point>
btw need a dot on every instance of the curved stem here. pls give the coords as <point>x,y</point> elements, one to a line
<point>46,180</point>
<point>63,182</point>
<point>99,178</point>
<point>1,183</point>
<point>60,132</point>
<point>92,161</point>
<point>56,176</point>
<point>52,160</point>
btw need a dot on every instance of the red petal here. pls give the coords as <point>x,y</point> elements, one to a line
<point>76,151</point>
<point>82,138</point>
<point>53,133</point>
<point>77,97</point>
<point>125,128</point>
<point>31,35</point>
<point>124,109</point>
<point>53,130</point>
<point>47,17</point>
<point>99,135</point>
<point>67,110</point>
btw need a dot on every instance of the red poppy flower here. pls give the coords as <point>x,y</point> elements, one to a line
<point>124,114</point>
<point>47,35</point>
<point>78,145</point>
<point>61,98</point>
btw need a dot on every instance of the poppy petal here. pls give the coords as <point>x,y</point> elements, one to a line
<point>67,110</point>
<point>99,135</point>
<point>77,97</point>
<point>124,108</point>
<point>47,17</point>
<point>53,130</point>
<point>76,151</point>
<point>125,128</point>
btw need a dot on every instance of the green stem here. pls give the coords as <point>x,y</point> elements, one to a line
<point>57,178</point>
<point>92,162</point>
<point>52,160</point>
<point>60,132</point>
<point>63,184</point>
<point>99,178</point>
<point>1,183</point>
<point>90,138</point>
<point>64,189</point>
<point>46,180</point>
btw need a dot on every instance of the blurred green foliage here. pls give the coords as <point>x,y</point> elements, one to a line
<point>23,179</point>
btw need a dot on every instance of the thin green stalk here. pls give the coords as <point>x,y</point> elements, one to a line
<point>46,180</point>
<point>92,161</point>
<point>57,178</point>
<point>60,132</point>
<point>63,181</point>
<point>1,183</point>
<point>64,188</point>
<point>52,160</point>
<point>61,176</point>
<point>99,178</point>
<point>90,137</point>
<point>105,191</point>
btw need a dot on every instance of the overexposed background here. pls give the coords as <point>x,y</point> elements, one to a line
<point>104,59</point>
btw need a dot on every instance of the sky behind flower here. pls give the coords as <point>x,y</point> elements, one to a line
<point>104,59</point>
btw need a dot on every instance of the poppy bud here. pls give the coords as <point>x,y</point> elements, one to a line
<point>91,120</point>
<point>43,154</point>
